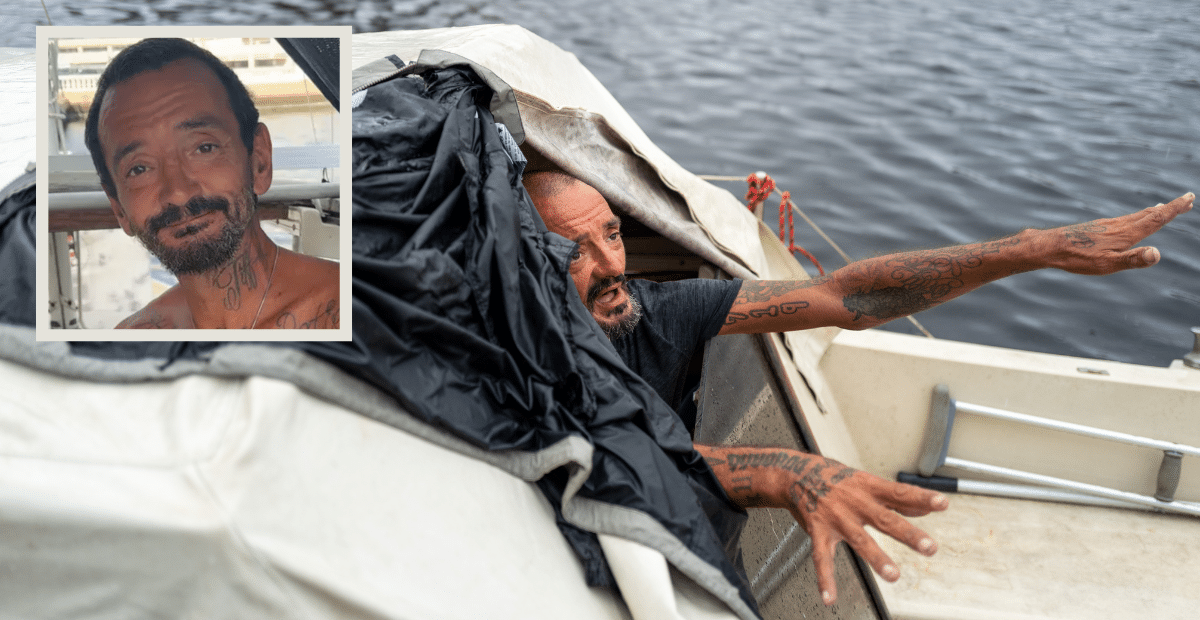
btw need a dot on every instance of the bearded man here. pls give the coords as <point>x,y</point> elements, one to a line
<point>656,328</point>
<point>176,141</point>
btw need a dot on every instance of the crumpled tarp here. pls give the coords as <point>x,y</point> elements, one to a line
<point>464,312</point>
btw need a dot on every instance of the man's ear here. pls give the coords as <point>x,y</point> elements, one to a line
<point>260,160</point>
<point>118,211</point>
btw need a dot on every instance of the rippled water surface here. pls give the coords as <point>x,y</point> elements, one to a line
<point>895,124</point>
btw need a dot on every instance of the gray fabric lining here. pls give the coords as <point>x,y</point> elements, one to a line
<point>325,381</point>
<point>583,145</point>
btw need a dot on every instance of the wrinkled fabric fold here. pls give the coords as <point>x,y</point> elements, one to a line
<point>465,314</point>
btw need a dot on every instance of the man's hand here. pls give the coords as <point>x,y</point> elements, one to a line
<point>875,290</point>
<point>831,502</point>
<point>1105,246</point>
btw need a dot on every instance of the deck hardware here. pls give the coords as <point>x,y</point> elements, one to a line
<point>943,410</point>
<point>1193,359</point>
<point>1092,371</point>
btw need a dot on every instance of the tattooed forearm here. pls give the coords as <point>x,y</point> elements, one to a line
<point>752,478</point>
<point>758,291</point>
<point>906,283</point>
<point>784,460</point>
<point>789,307</point>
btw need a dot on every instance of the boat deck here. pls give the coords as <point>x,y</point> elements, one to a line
<point>1009,559</point>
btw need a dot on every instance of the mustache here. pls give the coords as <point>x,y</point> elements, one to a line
<point>173,214</point>
<point>596,289</point>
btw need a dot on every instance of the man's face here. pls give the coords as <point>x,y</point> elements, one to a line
<point>581,214</point>
<point>183,181</point>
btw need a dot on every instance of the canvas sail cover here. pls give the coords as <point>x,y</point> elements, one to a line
<point>465,317</point>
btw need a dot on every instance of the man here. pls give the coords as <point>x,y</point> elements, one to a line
<point>182,157</point>
<point>656,328</point>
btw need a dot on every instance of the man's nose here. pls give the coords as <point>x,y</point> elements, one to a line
<point>177,185</point>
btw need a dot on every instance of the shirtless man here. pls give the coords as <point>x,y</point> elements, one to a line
<point>655,329</point>
<point>182,157</point>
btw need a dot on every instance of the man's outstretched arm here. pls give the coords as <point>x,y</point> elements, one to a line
<point>831,502</point>
<point>876,290</point>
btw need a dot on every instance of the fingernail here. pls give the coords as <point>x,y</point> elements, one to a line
<point>926,545</point>
<point>890,572</point>
<point>1150,255</point>
<point>940,501</point>
<point>827,596</point>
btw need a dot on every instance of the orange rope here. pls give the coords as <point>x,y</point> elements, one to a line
<point>760,188</point>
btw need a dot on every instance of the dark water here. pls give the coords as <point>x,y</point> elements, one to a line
<point>895,123</point>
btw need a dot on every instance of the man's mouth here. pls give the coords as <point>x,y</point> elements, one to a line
<point>184,220</point>
<point>605,291</point>
<point>190,227</point>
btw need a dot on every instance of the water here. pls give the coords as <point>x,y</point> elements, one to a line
<point>895,124</point>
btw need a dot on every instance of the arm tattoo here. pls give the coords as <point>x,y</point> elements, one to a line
<point>782,460</point>
<point>914,280</point>
<point>756,291</point>
<point>815,477</point>
<point>761,291</point>
<point>787,307</point>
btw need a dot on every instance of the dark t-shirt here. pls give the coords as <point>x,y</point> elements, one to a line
<point>677,318</point>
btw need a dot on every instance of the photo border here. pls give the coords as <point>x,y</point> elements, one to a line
<point>43,330</point>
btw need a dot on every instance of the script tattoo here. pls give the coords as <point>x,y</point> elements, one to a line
<point>914,281</point>
<point>1080,234</point>
<point>759,291</point>
<point>233,277</point>
<point>782,460</point>
<point>327,317</point>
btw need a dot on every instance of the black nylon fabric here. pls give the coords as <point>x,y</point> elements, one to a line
<point>463,310</point>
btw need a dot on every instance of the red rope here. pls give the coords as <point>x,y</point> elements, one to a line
<point>759,189</point>
<point>757,193</point>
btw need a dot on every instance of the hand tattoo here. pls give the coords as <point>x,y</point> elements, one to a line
<point>1080,234</point>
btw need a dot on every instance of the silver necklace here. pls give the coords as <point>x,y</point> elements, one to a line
<point>270,279</point>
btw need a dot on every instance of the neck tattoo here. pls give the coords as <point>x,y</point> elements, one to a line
<point>270,279</point>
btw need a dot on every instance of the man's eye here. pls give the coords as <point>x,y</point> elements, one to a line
<point>206,148</point>
<point>575,255</point>
<point>135,170</point>
<point>615,236</point>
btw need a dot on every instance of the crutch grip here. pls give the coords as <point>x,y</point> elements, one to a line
<point>1168,475</point>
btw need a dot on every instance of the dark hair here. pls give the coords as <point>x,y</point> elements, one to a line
<point>151,55</point>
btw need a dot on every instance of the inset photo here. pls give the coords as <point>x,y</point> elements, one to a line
<point>190,183</point>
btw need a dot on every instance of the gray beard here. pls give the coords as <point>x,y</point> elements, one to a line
<point>625,326</point>
<point>203,255</point>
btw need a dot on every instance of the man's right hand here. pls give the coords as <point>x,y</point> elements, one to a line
<point>832,502</point>
<point>1105,246</point>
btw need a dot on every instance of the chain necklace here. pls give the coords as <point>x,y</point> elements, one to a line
<point>270,279</point>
